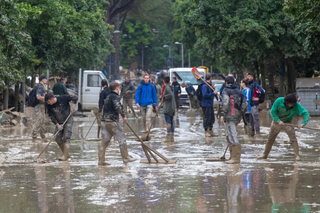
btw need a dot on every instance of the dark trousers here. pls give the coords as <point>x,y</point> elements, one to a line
<point>177,99</point>
<point>208,117</point>
<point>169,121</point>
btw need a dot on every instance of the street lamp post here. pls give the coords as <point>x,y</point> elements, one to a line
<point>189,57</point>
<point>181,52</point>
<point>170,54</point>
<point>143,57</point>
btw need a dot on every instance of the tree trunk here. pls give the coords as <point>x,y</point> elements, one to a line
<point>271,73</point>
<point>263,75</point>
<point>256,65</point>
<point>281,86</point>
<point>291,75</point>
<point>6,95</point>
<point>16,96</point>
<point>116,44</point>
<point>33,80</point>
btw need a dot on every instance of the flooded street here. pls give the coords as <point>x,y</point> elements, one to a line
<point>278,184</point>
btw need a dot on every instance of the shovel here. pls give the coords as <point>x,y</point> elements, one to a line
<point>147,137</point>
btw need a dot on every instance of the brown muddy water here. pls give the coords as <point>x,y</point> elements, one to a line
<point>278,184</point>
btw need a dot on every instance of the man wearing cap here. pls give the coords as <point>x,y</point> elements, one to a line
<point>256,92</point>
<point>39,111</point>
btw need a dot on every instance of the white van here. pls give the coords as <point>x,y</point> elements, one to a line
<point>186,75</point>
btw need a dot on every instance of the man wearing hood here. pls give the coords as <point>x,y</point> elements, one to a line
<point>177,92</point>
<point>146,98</point>
<point>207,106</point>
<point>234,105</point>
<point>169,106</point>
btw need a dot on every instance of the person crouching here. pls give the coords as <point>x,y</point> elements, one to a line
<point>59,111</point>
<point>111,126</point>
<point>234,105</point>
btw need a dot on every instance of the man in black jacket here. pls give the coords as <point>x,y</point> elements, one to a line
<point>234,105</point>
<point>127,91</point>
<point>59,110</point>
<point>177,92</point>
<point>111,127</point>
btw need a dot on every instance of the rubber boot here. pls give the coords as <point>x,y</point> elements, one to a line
<point>207,134</point>
<point>230,150</point>
<point>266,152</point>
<point>102,156</point>
<point>235,154</point>
<point>147,127</point>
<point>296,150</point>
<point>125,156</point>
<point>212,133</point>
<point>167,139</point>
<point>177,113</point>
<point>34,138</point>
<point>172,137</point>
<point>66,155</point>
<point>62,149</point>
<point>43,136</point>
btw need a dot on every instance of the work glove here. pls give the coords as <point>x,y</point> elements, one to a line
<point>60,127</point>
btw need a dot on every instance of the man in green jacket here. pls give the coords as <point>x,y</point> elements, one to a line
<point>169,106</point>
<point>59,88</point>
<point>282,111</point>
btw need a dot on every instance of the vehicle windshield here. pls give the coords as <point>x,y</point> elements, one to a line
<point>218,86</point>
<point>187,77</point>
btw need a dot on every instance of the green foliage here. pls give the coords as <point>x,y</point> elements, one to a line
<point>70,33</point>
<point>139,34</point>
<point>306,14</point>
<point>243,31</point>
<point>14,39</point>
<point>154,12</point>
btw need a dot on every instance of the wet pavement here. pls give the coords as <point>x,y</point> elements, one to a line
<point>278,184</point>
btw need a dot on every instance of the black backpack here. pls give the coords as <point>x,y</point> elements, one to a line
<point>199,93</point>
<point>33,101</point>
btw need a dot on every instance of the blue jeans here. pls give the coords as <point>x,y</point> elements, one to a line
<point>169,121</point>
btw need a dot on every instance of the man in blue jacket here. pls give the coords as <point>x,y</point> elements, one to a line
<point>207,106</point>
<point>146,98</point>
<point>256,92</point>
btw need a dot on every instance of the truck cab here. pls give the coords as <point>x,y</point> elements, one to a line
<point>89,89</point>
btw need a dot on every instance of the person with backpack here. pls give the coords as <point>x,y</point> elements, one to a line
<point>59,110</point>
<point>60,88</point>
<point>258,95</point>
<point>169,107</point>
<point>177,92</point>
<point>224,84</point>
<point>207,96</point>
<point>234,105</point>
<point>111,127</point>
<point>192,95</point>
<point>127,91</point>
<point>282,112</point>
<point>247,93</point>
<point>146,99</point>
<point>37,100</point>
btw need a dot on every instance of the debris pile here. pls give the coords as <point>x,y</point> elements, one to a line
<point>9,118</point>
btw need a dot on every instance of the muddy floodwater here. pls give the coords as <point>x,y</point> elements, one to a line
<point>278,184</point>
